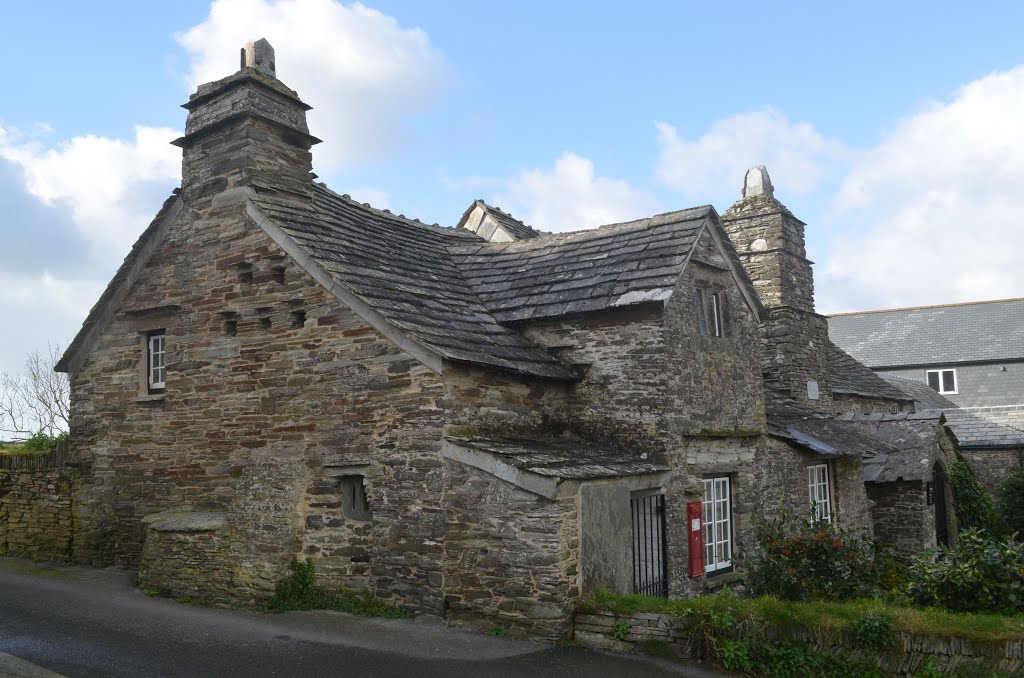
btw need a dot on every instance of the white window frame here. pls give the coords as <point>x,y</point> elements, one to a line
<point>716,312</point>
<point>156,360</point>
<point>956,382</point>
<point>717,516</point>
<point>819,492</point>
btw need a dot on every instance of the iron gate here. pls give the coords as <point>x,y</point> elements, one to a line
<point>649,562</point>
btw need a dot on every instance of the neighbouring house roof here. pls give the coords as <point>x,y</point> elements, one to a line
<point>912,441</point>
<point>851,377</point>
<point>609,267</point>
<point>987,427</point>
<point>924,396</point>
<point>933,335</point>
<point>477,216</point>
<point>816,431</point>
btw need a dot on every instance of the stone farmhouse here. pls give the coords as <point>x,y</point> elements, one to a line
<point>482,422</point>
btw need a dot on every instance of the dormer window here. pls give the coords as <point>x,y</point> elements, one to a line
<point>156,361</point>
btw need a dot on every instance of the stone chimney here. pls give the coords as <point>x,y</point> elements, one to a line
<point>247,130</point>
<point>770,244</point>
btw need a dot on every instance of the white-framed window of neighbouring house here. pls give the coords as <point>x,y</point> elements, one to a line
<point>943,381</point>
<point>820,493</point>
<point>156,360</point>
<point>717,517</point>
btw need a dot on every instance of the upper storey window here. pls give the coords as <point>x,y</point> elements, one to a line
<point>156,361</point>
<point>710,315</point>
<point>943,381</point>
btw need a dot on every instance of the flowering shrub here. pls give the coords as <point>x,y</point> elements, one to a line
<point>815,562</point>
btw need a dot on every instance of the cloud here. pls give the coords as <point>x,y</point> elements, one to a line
<point>363,74</point>
<point>713,166</point>
<point>108,186</point>
<point>571,197</point>
<point>939,198</point>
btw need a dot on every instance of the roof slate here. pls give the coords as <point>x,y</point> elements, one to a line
<point>912,442</point>
<point>934,335</point>
<point>987,427</point>
<point>564,274</point>
<point>850,376</point>
<point>566,459</point>
<point>402,269</point>
<point>924,396</point>
<point>817,431</point>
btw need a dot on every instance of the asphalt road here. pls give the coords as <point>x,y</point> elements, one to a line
<point>91,623</point>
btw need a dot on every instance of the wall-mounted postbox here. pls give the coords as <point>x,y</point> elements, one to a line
<point>694,512</point>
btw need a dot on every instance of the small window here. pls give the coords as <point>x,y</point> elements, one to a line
<point>943,381</point>
<point>702,323</point>
<point>818,489</point>
<point>265,323</point>
<point>231,328</point>
<point>354,503</point>
<point>717,525</point>
<point>156,361</point>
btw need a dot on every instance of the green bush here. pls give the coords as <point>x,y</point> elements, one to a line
<point>974,507</point>
<point>983,574</point>
<point>1011,502</point>
<point>815,562</point>
<point>873,632</point>
<point>299,591</point>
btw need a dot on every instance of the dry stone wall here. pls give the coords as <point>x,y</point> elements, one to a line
<point>37,513</point>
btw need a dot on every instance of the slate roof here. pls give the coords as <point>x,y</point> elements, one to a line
<point>564,274</point>
<point>924,396</point>
<point>933,335</point>
<point>912,441</point>
<point>403,270</point>
<point>565,458</point>
<point>850,376</point>
<point>816,431</point>
<point>987,427</point>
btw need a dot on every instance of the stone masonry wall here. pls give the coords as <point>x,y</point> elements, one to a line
<point>37,514</point>
<point>511,557</point>
<point>272,385</point>
<point>902,519</point>
<point>991,467</point>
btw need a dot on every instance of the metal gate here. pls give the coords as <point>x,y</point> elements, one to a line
<point>649,566</point>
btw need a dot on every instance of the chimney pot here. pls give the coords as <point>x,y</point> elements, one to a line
<point>757,182</point>
<point>260,56</point>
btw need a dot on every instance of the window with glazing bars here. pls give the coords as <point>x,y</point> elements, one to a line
<point>156,368</point>
<point>817,487</point>
<point>717,524</point>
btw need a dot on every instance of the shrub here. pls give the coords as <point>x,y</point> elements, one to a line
<point>974,507</point>
<point>1011,502</point>
<point>873,632</point>
<point>983,574</point>
<point>815,562</point>
<point>299,591</point>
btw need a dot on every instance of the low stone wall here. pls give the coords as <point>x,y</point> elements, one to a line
<point>37,505</point>
<point>665,634</point>
<point>188,555</point>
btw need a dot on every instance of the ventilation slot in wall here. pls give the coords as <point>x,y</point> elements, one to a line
<point>279,274</point>
<point>244,273</point>
<point>298,318</point>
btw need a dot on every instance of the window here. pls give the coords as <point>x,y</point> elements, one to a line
<point>817,488</point>
<point>943,381</point>
<point>354,503</point>
<point>702,322</point>
<point>717,525</point>
<point>156,361</point>
<point>716,312</point>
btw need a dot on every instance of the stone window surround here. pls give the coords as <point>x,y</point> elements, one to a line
<point>145,324</point>
<point>710,306</point>
<point>940,373</point>
<point>716,480</point>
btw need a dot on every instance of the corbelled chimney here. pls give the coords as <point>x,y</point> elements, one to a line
<point>770,243</point>
<point>247,129</point>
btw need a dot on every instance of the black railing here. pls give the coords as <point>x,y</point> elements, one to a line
<point>649,561</point>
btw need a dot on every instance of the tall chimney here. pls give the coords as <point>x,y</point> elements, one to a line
<point>770,243</point>
<point>247,129</point>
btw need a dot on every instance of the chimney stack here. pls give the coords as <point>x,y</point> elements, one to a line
<point>247,130</point>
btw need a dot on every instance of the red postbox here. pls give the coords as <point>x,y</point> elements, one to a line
<point>695,521</point>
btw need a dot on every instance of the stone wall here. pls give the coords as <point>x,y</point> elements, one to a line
<point>37,513</point>
<point>511,557</point>
<point>909,656</point>
<point>991,467</point>
<point>189,555</point>
<point>272,386</point>
<point>782,486</point>
<point>903,520</point>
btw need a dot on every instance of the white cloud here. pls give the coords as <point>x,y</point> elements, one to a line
<point>362,72</point>
<point>571,197</point>
<point>101,180</point>
<point>797,156</point>
<point>940,202</point>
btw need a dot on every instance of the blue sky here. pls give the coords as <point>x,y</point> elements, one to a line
<point>893,129</point>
